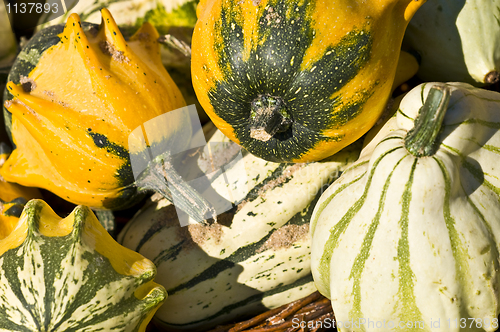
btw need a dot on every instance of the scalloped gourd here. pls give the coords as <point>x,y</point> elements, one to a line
<point>457,41</point>
<point>175,17</point>
<point>256,257</point>
<point>13,197</point>
<point>296,81</point>
<point>78,104</point>
<point>68,274</point>
<point>410,232</point>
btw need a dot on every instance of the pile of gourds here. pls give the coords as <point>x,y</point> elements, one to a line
<point>314,169</point>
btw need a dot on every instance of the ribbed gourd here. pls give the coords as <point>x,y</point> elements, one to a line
<point>256,257</point>
<point>296,81</point>
<point>13,197</point>
<point>409,234</point>
<point>457,41</point>
<point>68,274</point>
<point>82,102</point>
<point>172,17</point>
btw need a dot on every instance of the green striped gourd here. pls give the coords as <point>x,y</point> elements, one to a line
<point>457,41</point>
<point>68,274</point>
<point>409,234</point>
<point>256,257</point>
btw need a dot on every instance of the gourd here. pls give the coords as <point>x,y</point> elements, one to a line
<point>13,197</point>
<point>68,274</point>
<point>173,17</point>
<point>409,233</point>
<point>457,41</point>
<point>96,119</point>
<point>8,47</point>
<point>257,256</point>
<point>296,82</point>
<point>162,13</point>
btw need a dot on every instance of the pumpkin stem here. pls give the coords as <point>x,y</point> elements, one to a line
<point>421,140</point>
<point>161,177</point>
<point>268,116</point>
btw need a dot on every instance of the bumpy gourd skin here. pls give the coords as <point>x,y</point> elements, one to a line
<point>330,63</point>
<point>84,92</point>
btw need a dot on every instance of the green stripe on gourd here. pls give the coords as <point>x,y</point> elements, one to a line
<point>409,233</point>
<point>275,67</point>
<point>70,275</point>
<point>258,257</point>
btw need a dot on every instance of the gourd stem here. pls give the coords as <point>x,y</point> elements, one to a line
<point>161,177</point>
<point>421,140</point>
<point>267,117</point>
<point>175,43</point>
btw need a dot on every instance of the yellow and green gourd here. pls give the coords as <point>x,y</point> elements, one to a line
<point>410,232</point>
<point>68,274</point>
<point>13,197</point>
<point>297,81</point>
<point>76,108</point>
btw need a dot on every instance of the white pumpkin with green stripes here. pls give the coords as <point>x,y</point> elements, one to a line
<point>68,274</point>
<point>258,254</point>
<point>410,234</point>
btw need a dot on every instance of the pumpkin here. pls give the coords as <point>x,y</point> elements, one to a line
<point>68,274</point>
<point>457,41</point>
<point>256,257</point>
<point>296,81</point>
<point>409,233</point>
<point>78,102</point>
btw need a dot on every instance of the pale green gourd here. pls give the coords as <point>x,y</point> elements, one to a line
<point>457,40</point>
<point>414,236</point>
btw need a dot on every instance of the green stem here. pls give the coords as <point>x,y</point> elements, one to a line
<point>421,140</point>
<point>161,177</point>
